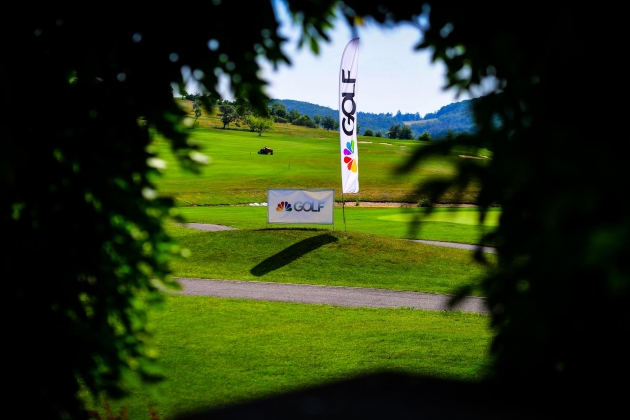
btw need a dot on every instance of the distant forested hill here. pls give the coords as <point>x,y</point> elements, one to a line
<point>456,116</point>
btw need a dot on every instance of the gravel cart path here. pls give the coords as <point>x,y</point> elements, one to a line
<point>329,295</point>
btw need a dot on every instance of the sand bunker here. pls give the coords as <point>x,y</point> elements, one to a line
<point>366,142</point>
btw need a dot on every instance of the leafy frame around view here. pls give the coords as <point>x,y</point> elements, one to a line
<point>86,237</point>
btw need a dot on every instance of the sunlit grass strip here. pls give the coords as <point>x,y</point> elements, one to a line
<point>331,258</point>
<point>224,351</point>
<point>446,224</point>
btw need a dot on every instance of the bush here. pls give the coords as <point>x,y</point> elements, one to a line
<point>425,136</point>
<point>305,121</point>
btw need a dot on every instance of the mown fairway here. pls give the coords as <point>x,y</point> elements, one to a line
<point>303,158</point>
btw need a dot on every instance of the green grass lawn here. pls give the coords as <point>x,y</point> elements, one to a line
<point>303,158</point>
<point>326,257</point>
<point>445,224</point>
<point>217,352</point>
<point>224,351</point>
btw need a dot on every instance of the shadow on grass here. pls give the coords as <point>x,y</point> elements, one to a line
<point>291,254</point>
<point>384,395</point>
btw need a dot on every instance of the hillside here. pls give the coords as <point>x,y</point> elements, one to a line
<point>456,116</point>
<point>187,106</point>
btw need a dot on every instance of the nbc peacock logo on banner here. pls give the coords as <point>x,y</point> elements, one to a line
<point>284,206</point>
<point>349,158</point>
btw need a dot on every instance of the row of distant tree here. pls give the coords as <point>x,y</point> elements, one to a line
<point>404,132</point>
<point>398,131</point>
<point>241,113</point>
<point>280,114</point>
<point>456,117</point>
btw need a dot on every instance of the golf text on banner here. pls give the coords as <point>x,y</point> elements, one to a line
<point>348,118</point>
<point>300,206</point>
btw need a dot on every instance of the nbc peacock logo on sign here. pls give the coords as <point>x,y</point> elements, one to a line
<point>284,206</point>
<point>349,158</point>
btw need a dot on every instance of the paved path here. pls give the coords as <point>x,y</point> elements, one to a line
<point>487,249</point>
<point>330,295</point>
<point>205,226</point>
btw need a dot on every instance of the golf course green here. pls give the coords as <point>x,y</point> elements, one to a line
<point>220,351</point>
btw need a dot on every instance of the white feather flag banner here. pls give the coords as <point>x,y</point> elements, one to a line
<point>348,118</point>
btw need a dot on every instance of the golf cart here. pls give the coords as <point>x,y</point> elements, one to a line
<point>265,151</point>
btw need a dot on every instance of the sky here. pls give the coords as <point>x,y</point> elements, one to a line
<point>391,77</point>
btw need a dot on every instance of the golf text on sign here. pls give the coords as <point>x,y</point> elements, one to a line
<point>348,96</point>
<point>348,118</point>
<point>300,206</point>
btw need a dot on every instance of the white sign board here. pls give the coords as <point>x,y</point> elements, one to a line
<point>300,206</point>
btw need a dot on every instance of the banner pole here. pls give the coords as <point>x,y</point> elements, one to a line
<point>343,211</point>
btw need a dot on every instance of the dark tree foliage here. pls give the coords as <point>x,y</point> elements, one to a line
<point>196,110</point>
<point>228,114</point>
<point>243,109</point>
<point>293,115</point>
<point>84,229</point>
<point>328,122</point>
<point>305,121</point>
<point>83,232</point>
<point>278,112</point>
<point>425,136</point>
<point>202,98</point>
<point>405,133</point>
<point>560,295</point>
<point>394,131</point>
